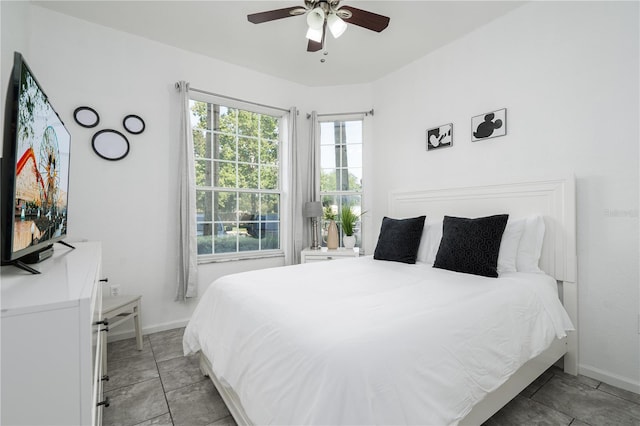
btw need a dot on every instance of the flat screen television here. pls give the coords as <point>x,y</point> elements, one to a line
<point>35,172</point>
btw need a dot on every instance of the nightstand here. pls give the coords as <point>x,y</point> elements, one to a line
<point>307,255</point>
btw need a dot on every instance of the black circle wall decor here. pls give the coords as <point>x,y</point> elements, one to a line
<point>133,124</point>
<point>86,117</point>
<point>110,144</point>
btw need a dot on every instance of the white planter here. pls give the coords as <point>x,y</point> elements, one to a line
<point>349,241</point>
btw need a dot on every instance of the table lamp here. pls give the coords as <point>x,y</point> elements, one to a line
<point>313,209</point>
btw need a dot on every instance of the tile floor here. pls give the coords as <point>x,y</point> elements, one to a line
<point>159,386</point>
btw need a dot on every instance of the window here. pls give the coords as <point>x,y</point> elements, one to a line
<point>238,189</point>
<point>341,168</point>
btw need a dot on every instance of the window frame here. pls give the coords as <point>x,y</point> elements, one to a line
<point>327,118</point>
<point>281,191</point>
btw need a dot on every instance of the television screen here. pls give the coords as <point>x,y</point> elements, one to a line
<point>35,167</point>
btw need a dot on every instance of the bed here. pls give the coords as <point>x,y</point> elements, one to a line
<point>365,341</point>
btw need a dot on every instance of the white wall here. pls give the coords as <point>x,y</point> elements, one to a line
<point>130,205</point>
<point>568,75</point>
<point>13,37</point>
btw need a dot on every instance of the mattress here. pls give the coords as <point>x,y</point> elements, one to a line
<point>363,341</point>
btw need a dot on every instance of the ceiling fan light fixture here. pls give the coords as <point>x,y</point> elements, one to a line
<point>314,34</point>
<point>315,18</point>
<point>336,25</point>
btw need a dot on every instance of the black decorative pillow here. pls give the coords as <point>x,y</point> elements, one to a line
<point>471,245</point>
<point>399,239</point>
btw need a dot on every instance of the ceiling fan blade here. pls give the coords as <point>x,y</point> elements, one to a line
<point>369,20</point>
<point>272,15</point>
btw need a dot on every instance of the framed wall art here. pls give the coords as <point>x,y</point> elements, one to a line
<point>489,125</point>
<point>86,117</point>
<point>440,137</point>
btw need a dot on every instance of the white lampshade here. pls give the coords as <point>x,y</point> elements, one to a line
<point>315,19</point>
<point>312,209</point>
<point>336,25</point>
<point>315,35</point>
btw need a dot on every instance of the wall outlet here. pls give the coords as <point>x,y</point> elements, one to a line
<point>115,289</point>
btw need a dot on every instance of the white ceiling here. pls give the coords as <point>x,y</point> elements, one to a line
<point>220,29</point>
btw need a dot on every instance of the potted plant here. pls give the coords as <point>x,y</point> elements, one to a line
<point>349,219</point>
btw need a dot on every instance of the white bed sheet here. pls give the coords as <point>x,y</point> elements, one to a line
<point>362,341</point>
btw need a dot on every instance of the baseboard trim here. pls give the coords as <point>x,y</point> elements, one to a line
<point>127,333</point>
<point>609,378</point>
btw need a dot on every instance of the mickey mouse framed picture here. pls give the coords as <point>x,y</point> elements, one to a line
<point>489,125</point>
<point>440,137</point>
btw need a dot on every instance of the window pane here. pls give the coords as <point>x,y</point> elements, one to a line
<point>204,206</point>
<point>248,123</point>
<point>228,120</point>
<point>224,146</point>
<point>203,173</point>
<point>270,206</point>
<point>248,176</point>
<point>327,156</point>
<point>327,135</point>
<point>248,150</point>
<point>350,179</point>
<point>225,206</point>
<point>354,155</point>
<point>269,127</point>
<point>268,152</point>
<point>202,143</point>
<point>205,241</point>
<point>224,174</point>
<point>328,180</point>
<point>270,235</point>
<point>224,243</point>
<point>199,115</point>
<point>268,177</point>
<point>353,132</point>
<point>249,206</point>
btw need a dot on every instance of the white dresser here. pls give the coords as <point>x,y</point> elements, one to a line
<point>51,340</point>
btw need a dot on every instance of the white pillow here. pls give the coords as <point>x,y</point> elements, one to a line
<point>509,245</point>
<point>430,242</point>
<point>530,246</point>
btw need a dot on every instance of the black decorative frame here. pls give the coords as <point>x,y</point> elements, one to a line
<point>104,154</point>
<point>77,116</point>
<point>132,120</point>
<point>489,125</point>
<point>440,137</point>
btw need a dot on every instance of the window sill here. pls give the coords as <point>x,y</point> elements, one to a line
<point>232,257</point>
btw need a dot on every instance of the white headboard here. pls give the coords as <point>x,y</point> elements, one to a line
<point>553,199</point>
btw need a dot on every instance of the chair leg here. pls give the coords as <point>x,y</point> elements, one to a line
<point>136,322</point>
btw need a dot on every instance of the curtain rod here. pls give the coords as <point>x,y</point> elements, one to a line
<point>370,112</point>
<point>236,99</point>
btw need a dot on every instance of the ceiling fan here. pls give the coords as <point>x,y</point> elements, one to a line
<point>322,14</point>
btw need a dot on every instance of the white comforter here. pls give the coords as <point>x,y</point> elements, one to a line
<point>362,341</point>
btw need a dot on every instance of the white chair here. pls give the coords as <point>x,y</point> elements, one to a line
<point>116,310</point>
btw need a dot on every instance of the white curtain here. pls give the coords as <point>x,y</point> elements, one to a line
<point>303,184</point>
<point>296,233</point>
<point>188,268</point>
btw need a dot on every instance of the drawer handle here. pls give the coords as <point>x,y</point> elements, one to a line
<point>103,322</point>
<point>106,402</point>
<point>330,257</point>
<point>105,378</point>
<point>104,329</point>
<point>104,280</point>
